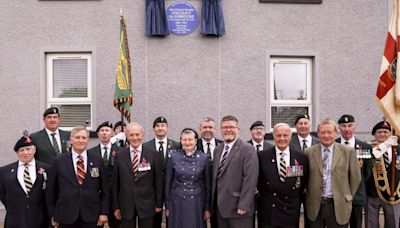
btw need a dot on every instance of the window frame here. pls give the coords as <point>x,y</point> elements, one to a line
<point>50,100</point>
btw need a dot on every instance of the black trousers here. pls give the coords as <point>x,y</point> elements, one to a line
<point>326,218</point>
<point>79,223</point>
<point>356,216</point>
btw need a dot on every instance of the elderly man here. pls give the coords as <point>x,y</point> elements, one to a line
<point>50,141</point>
<point>108,152</point>
<point>207,142</point>
<point>379,186</point>
<point>257,130</point>
<point>22,185</point>
<point>281,182</point>
<point>137,184</point>
<point>234,178</point>
<point>347,127</point>
<point>77,192</point>
<point>303,139</point>
<point>333,179</point>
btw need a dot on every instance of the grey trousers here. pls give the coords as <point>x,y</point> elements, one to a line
<point>391,213</point>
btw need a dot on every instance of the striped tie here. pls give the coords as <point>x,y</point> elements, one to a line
<point>304,144</point>
<point>282,167</point>
<point>135,162</point>
<point>224,155</point>
<point>386,159</point>
<point>80,170</point>
<point>27,179</point>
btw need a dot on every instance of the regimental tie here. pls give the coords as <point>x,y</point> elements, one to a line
<point>258,147</point>
<point>304,144</point>
<point>282,167</point>
<point>135,162</point>
<point>161,149</point>
<point>208,150</point>
<point>224,155</point>
<point>105,156</point>
<point>386,159</point>
<point>80,169</point>
<point>27,179</point>
<point>55,143</point>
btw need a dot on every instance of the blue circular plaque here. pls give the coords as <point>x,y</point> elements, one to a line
<point>182,18</point>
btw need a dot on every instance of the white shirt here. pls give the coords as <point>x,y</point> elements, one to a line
<point>75,159</point>
<point>57,136</point>
<point>108,149</point>
<point>138,150</point>
<point>212,146</point>
<point>230,145</point>
<point>286,157</point>
<point>308,141</point>
<point>352,141</point>
<point>32,173</point>
<point>165,144</point>
<point>256,143</point>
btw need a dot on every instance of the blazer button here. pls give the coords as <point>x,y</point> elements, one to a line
<point>273,205</point>
<point>274,194</point>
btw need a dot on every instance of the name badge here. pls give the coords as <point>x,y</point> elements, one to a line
<point>144,166</point>
<point>94,172</point>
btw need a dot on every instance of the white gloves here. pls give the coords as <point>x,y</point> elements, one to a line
<point>116,138</point>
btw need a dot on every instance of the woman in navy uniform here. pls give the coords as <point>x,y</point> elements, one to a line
<point>188,185</point>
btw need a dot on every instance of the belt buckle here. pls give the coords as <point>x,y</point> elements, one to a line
<point>324,200</point>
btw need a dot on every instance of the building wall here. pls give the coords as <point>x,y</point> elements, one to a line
<point>185,78</point>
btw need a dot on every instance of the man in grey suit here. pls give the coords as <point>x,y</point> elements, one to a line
<point>257,130</point>
<point>334,177</point>
<point>234,179</point>
<point>50,141</point>
<point>303,138</point>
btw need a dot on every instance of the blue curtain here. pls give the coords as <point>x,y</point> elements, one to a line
<point>212,18</point>
<point>156,19</point>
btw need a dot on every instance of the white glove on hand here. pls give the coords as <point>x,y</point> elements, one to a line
<point>392,141</point>
<point>116,138</point>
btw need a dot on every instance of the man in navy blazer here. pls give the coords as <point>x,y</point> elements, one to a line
<point>22,186</point>
<point>280,193</point>
<point>77,192</point>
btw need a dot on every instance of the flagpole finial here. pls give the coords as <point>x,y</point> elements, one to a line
<point>120,12</point>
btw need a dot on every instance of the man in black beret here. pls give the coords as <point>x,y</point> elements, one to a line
<point>363,150</point>
<point>379,183</point>
<point>301,140</point>
<point>22,185</point>
<point>50,141</point>
<point>257,130</point>
<point>165,147</point>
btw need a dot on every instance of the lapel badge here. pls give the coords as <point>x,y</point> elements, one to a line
<point>12,170</point>
<point>273,160</point>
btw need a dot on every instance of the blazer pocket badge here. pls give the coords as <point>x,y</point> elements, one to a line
<point>144,166</point>
<point>94,172</point>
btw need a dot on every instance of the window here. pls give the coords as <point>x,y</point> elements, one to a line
<point>69,87</point>
<point>291,88</point>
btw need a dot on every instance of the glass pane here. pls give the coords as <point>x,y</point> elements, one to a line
<point>70,78</point>
<point>74,115</point>
<point>284,114</point>
<point>290,81</point>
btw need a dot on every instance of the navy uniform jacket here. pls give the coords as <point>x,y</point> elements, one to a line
<point>67,200</point>
<point>279,202</point>
<point>360,198</point>
<point>112,156</point>
<point>44,148</point>
<point>295,144</point>
<point>22,210</point>
<point>142,193</point>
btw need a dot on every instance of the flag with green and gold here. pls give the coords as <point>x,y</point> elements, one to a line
<point>123,98</point>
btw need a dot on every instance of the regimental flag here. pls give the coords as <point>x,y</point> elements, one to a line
<point>388,92</point>
<point>123,98</point>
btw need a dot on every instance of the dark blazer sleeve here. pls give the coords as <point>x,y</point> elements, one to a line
<point>2,187</point>
<point>52,188</point>
<point>169,177</point>
<point>116,183</point>
<point>158,179</point>
<point>104,191</point>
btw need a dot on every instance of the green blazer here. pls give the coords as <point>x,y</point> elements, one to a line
<point>346,178</point>
<point>44,148</point>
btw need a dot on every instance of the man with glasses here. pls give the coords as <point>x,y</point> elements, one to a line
<point>257,130</point>
<point>234,178</point>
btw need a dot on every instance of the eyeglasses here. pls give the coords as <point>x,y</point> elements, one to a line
<point>258,128</point>
<point>230,128</point>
